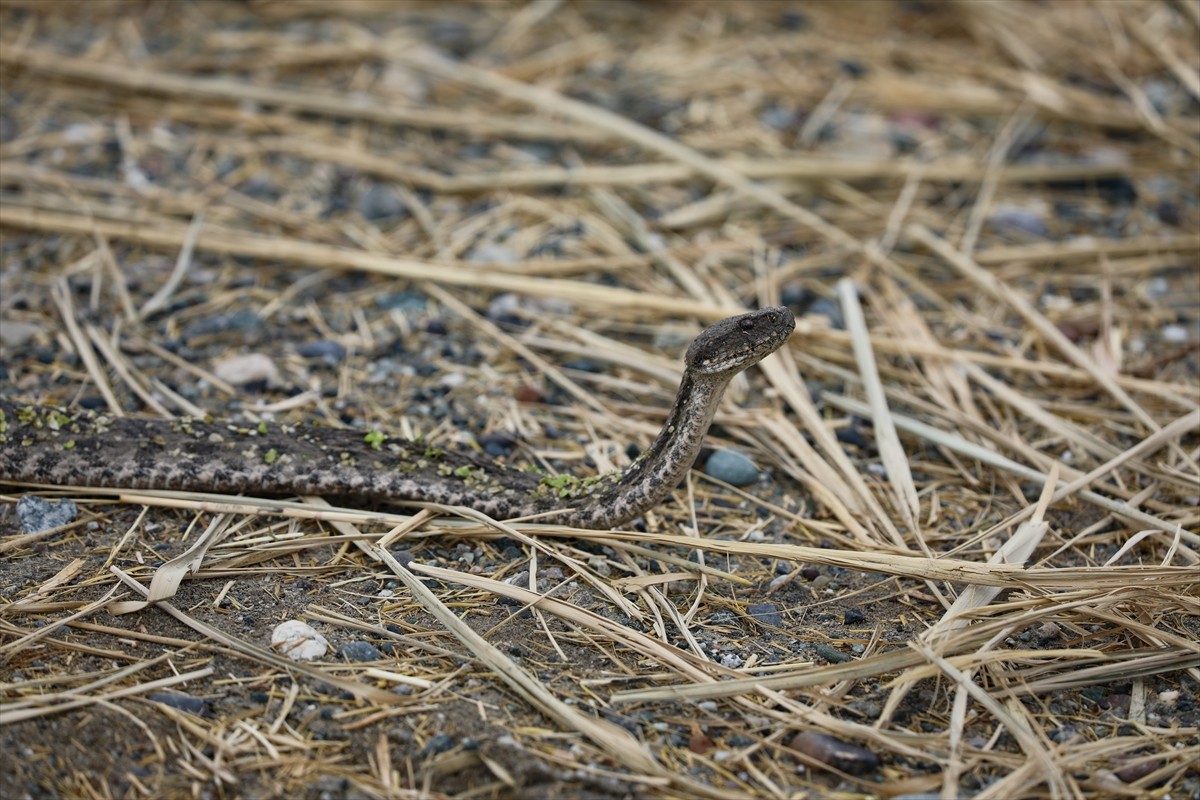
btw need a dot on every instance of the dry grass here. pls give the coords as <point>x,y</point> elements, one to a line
<point>1017,529</point>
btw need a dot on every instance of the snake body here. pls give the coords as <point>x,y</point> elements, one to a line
<point>49,445</point>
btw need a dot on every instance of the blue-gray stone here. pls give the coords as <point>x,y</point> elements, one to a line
<point>359,650</point>
<point>407,300</point>
<point>180,700</point>
<point>766,613</point>
<point>326,350</point>
<point>381,202</point>
<point>732,467</point>
<point>37,514</point>
<point>244,320</point>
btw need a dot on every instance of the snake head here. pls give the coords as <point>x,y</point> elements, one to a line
<point>729,346</point>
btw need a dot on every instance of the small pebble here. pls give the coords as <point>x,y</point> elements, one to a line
<point>832,654</point>
<point>243,321</point>
<point>36,514</point>
<point>583,365</point>
<point>672,339</point>
<point>1174,334</point>
<point>830,309</point>
<point>381,202</point>
<point>359,650</point>
<point>765,613</point>
<point>503,306</point>
<point>853,437</point>
<point>298,641</point>
<point>326,350</point>
<point>1117,703</point>
<point>1006,216</point>
<point>14,333</point>
<point>528,394</point>
<point>438,744</point>
<point>1048,631</point>
<point>778,118</point>
<point>493,254</point>
<point>452,380</point>
<point>1077,329</point>
<point>401,301</point>
<point>260,186</point>
<point>497,443</point>
<point>844,756</point>
<point>1137,770</point>
<point>1157,288</point>
<point>732,467</point>
<point>1169,213</point>
<point>249,368</point>
<point>184,702</point>
<point>405,557</point>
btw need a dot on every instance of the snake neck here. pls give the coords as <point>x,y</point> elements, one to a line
<point>660,469</point>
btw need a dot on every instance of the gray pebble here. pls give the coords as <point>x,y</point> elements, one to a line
<point>489,253</point>
<point>359,650</point>
<point>381,202</point>
<point>39,514</point>
<point>673,340</point>
<point>1014,218</point>
<point>184,702</point>
<point>14,333</point>
<point>503,305</point>
<point>238,321</point>
<point>778,117</point>
<point>326,350</point>
<point>766,613</point>
<point>404,301</point>
<point>830,309</point>
<point>732,467</point>
<point>832,654</point>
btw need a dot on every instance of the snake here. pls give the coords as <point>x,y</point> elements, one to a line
<point>42,444</point>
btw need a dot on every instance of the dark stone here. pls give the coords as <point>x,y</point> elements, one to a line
<point>381,202</point>
<point>497,443</point>
<point>359,650</point>
<point>326,350</point>
<point>181,701</point>
<point>854,617</point>
<point>844,756</point>
<point>832,654</point>
<point>766,614</point>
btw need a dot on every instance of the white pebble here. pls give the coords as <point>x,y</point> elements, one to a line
<point>298,641</point>
<point>248,368</point>
<point>1174,334</point>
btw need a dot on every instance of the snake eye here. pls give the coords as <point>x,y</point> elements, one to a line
<point>746,324</point>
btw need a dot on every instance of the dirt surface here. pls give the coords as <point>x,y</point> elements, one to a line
<point>362,213</point>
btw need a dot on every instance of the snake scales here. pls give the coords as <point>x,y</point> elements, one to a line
<point>41,444</point>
